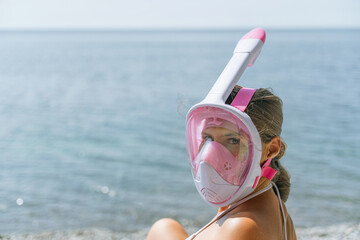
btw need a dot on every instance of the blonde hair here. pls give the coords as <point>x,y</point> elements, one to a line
<point>265,110</point>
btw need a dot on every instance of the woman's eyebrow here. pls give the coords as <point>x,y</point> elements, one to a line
<point>232,134</point>
<point>205,133</point>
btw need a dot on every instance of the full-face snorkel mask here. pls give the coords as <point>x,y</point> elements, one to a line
<point>223,144</point>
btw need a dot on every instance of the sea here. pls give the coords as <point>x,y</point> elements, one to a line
<point>92,128</point>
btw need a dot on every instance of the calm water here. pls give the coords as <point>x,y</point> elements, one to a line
<point>92,125</point>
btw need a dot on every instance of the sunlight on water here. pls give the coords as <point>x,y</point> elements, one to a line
<point>19,201</point>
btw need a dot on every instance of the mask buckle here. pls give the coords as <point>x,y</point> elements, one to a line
<point>267,171</point>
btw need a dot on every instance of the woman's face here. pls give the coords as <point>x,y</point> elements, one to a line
<point>236,142</point>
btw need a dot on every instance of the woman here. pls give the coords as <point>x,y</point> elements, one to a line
<point>255,214</point>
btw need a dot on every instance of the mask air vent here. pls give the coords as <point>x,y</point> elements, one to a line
<point>227,166</point>
<point>211,196</point>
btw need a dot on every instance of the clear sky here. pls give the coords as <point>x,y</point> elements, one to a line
<point>175,14</point>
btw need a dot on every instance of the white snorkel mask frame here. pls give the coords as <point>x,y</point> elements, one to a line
<point>246,52</point>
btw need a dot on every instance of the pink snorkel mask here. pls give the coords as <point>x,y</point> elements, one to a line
<point>223,144</point>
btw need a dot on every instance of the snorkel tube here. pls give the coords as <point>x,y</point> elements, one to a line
<point>245,54</point>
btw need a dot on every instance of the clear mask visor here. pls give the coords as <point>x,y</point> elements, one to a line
<point>222,140</point>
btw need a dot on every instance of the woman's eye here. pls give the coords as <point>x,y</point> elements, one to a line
<point>207,138</point>
<point>234,140</point>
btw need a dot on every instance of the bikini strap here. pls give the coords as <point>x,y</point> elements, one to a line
<point>282,208</point>
<point>220,215</point>
<point>232,207</point>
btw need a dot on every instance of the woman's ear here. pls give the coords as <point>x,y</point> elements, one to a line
<point>273,147</point>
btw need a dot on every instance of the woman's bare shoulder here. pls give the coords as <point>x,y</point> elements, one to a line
<point>244,227</point>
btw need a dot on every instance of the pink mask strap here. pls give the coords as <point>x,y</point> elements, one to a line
<point>267,171</point>
<point>243,98</point>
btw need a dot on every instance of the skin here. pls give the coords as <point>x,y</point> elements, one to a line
<point>257,219</point>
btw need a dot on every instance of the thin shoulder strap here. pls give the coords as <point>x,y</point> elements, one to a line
<point>282,209</point>
<point>232,207</point>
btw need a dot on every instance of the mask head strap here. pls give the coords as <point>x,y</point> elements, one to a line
<point>267,171</point>
<point>243,98</point>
